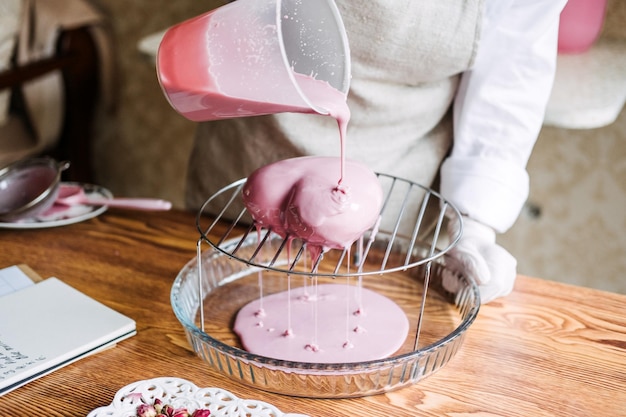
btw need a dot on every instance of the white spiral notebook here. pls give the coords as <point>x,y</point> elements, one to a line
<point>49,324</point>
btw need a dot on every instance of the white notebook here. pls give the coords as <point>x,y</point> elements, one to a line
<point>48,325</point>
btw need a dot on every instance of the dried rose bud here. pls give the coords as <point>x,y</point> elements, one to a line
<point>167,410</point>
<point>181,412</point>
<point>158,405</point>
<point>201,413</point>
<point>146,410</point>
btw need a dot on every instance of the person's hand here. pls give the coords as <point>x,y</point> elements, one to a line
<point>478,256</point>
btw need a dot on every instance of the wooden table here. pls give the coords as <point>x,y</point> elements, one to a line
<point>548,349</point>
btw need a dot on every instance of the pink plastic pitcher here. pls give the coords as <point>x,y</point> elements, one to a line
<point>253,57</point>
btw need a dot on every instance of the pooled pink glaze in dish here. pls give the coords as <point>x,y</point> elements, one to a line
<point>343,323</point>
<point>301,198</point>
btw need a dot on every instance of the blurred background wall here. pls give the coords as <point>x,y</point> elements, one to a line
<point>574,229</point>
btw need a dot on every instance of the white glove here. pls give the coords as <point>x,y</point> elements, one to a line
<point>479,257</point>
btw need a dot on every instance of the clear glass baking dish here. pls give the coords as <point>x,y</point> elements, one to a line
<point>451,303</point>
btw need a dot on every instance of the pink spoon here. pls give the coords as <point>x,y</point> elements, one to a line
<point>70,195</point>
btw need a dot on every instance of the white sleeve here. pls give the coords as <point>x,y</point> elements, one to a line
<point>499,110</point>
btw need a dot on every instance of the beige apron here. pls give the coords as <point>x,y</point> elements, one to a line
<point>406,62</point>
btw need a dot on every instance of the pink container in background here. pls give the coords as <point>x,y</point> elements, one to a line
<point>580,25</point>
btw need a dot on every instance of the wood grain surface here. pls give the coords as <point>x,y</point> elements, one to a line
<point>548,349</point>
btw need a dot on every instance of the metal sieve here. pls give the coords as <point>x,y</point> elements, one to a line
<point>29,187</point>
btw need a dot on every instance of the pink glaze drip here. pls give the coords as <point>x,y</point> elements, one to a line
<point>375,335</point>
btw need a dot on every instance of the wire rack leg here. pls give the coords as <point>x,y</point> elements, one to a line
<point>199,275</point>
<point>433,246</point>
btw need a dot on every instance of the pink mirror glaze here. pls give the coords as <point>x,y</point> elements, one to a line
<point>301,198</point>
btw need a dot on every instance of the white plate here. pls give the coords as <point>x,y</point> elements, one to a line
<point>179,393</point>
<point>75,214</point>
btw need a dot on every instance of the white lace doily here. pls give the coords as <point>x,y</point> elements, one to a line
<point>182,393</point>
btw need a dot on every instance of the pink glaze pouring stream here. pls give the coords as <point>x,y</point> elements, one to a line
<point>70,195</point>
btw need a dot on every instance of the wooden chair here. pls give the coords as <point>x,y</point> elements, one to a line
<point>77,59</point>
